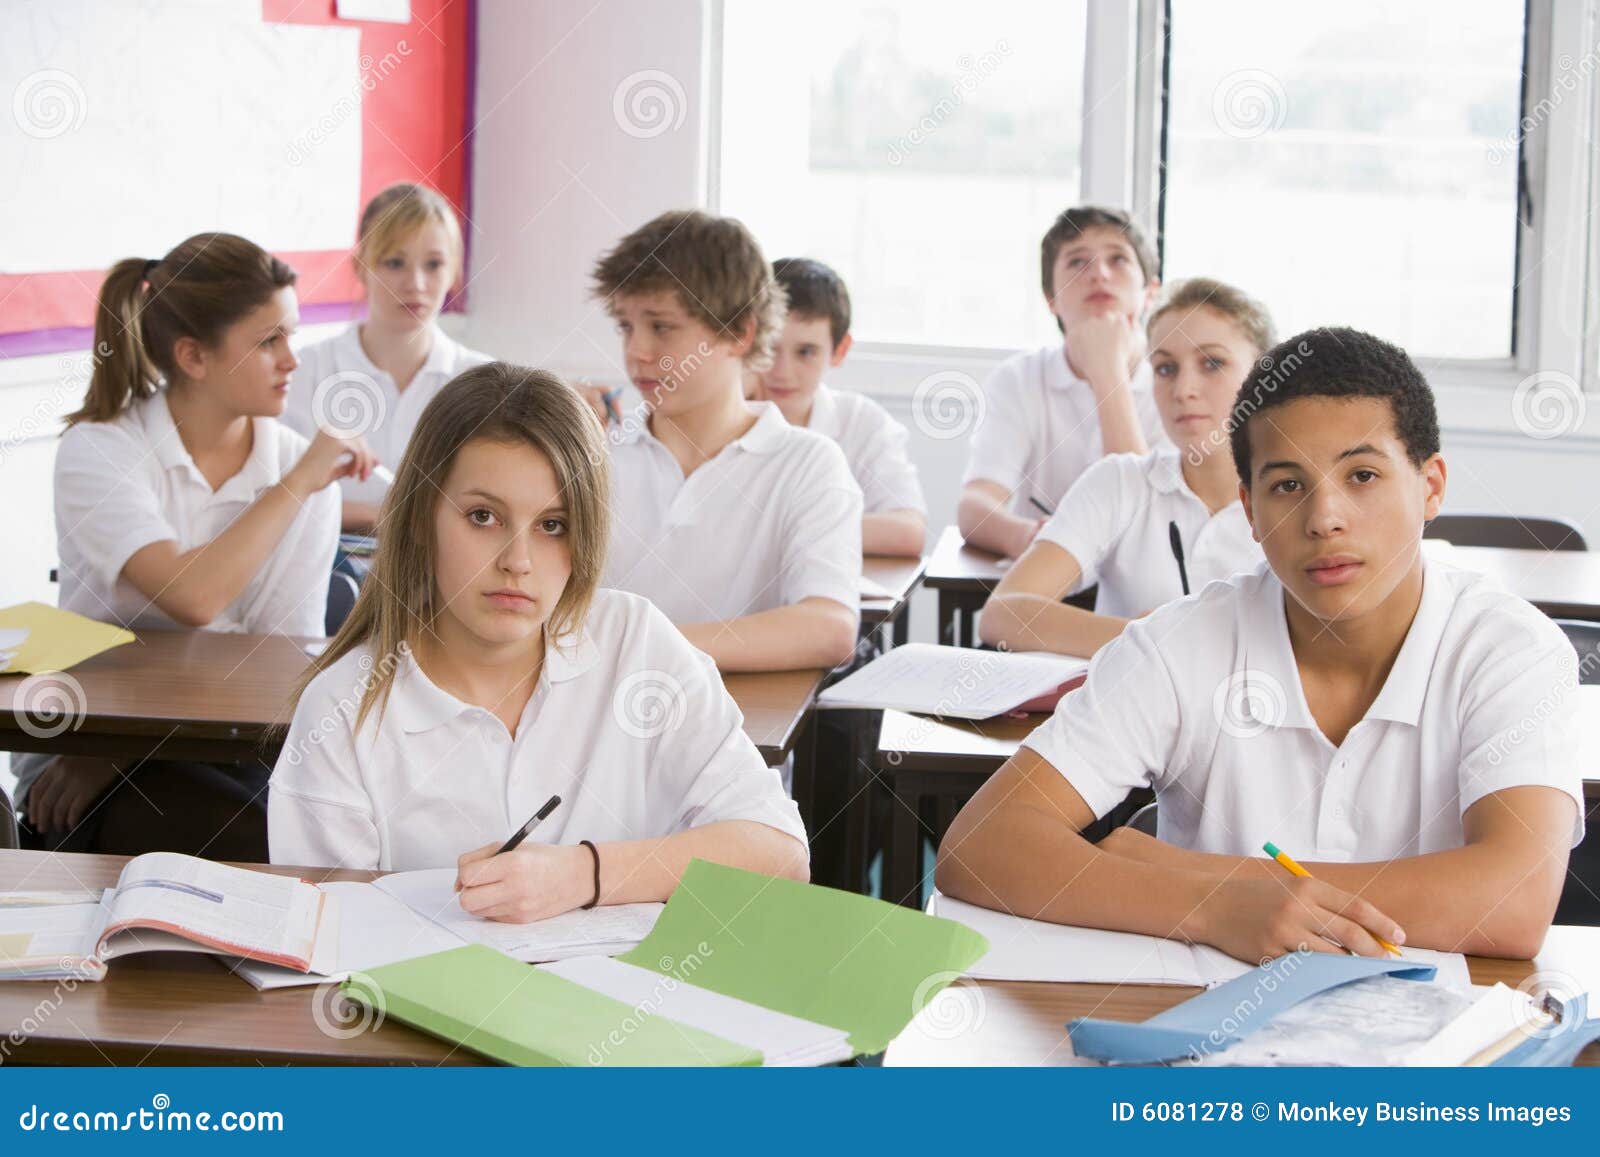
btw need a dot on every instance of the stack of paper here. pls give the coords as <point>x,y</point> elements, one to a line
<point>955,682</point>
<point>10,639</point>
<point>1023,949</point>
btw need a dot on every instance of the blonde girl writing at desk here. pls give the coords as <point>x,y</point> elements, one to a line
<point>482,671</point>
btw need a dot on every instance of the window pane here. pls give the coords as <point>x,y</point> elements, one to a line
<point>1351,164</point>
<point>921,147</point>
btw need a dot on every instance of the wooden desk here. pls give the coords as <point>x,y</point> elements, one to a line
<point>900,576</point>
<point>219,697</point>
<point>1008,1022</point>
<point>1564,584</point>
<point>963,576</point>
<point>183,1008</point>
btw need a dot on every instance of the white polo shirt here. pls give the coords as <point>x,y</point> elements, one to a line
<point>356,394</point>
<point>124,484</point>
<point>1202,702</point>
<point>1116,522</point>
<point>629,724</point>
<point>1040,429</point>
<point>874,446</point>
<point>772,519</point>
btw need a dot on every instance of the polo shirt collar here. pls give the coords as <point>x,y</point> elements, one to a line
<point>423,705</point>
<point>259,471</point>
<point>1406,687</point>
<point>1057,374</point>
<point>824,412</point>
<point>769,432</point>
<point>1164,468</point>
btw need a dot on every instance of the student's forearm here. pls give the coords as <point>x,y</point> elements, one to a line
<point>196,586</point>
<point>986,524</point>
<point>1120,432</point>
<point>795,637</point>
<point>641,871</point>
<point>1034,864</point>
<point>358,517</point>
<point>1486,899</point>
<point>900,533</point>
<point>1027,622</point>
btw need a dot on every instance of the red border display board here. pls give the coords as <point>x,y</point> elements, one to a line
<point>415,126</point>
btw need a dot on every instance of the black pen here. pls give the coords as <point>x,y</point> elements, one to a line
<point>1177,552</point>
<point>536,819</point>
<point>1043,509</point>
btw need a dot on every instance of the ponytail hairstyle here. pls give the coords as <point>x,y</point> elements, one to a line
<point>399,603</point>
<point>197,291</point>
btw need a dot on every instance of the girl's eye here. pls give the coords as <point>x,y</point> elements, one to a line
<point>1166,369</point>
<point>481,516</point>
<point>1214,363</point>
<point>435,264</point>
<point>393,263</point>
<point>553,526</point>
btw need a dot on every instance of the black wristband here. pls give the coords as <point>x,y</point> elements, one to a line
<point>595,852</point>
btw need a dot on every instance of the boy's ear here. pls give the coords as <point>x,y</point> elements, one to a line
<point>840,350</point>
<point>1433,479</point>
<point>1152,290</point>
<point>744,341</point>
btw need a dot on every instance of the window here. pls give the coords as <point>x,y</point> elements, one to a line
<point>939,138</point>
<point>1351,163</point>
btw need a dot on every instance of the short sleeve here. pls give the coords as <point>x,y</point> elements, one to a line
<point>319,813</point>
<point>1119,730</point>
<point>1094,515</point>
<point>106,499</point>
<point>822,530</point>
<point>706,770</point>
<point>883,466</point>
<point>999,451</point>
<point>1519,720</point>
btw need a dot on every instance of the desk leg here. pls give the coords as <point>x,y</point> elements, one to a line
<point>902,850</point>
<point>901,630</point>
<point>948,611</point>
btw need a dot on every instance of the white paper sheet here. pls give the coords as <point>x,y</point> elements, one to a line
<point>955,682</point>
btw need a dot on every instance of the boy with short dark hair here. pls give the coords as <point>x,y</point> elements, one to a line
<point>815,338</point>
<point>1049,414</point>
<point>1404,728</point>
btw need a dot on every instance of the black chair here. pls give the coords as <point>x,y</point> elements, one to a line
<point>1506,530</point>
<point>1144,820</point>
<point>342,590</point>
<point>1580,899</point>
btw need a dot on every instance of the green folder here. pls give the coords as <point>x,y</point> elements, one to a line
<point>846,961</point>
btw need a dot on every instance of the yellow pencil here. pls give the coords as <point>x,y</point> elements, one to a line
<point>1288,862</point>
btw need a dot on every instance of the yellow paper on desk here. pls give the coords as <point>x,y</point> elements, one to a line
<point>56,639</point>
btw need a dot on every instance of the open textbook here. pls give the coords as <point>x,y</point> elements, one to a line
<point>408,914</point>
<point>165,902</point>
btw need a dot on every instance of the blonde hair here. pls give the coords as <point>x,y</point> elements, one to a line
<point>712,265</point>
<point>496,402</point>
<point>395,215</point>
<point>146,305</point>
<point>1244,311</point>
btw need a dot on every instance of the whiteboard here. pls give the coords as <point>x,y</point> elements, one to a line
<point>132,127</point>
